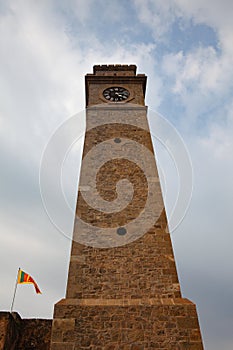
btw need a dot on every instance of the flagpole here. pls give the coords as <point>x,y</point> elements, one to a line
<point>16,284</point>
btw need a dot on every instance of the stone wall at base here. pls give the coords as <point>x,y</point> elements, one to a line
<point>9,330</point>
<point>35,334</point>
<point>136,324</point>
<point>24,334</point>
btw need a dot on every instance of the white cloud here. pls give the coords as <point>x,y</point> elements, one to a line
<point>158,15</point>
<point>200,69</point>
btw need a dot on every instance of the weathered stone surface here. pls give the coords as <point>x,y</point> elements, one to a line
<point>24,334</point>
<point>122,324</point>
<point>9,330</point>
<point>121,296</point>
<point>34,334</point>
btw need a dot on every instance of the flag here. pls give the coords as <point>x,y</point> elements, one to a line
<point>24,278</point>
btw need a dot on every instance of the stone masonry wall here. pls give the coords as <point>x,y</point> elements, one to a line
<point>146,266</point>
<point>34,334</point>
<point>24,334</point>
<point>135,90</point>
<point>9,330</point>
<point>168,324</point>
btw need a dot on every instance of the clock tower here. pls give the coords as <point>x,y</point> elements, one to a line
<point>122,291</point>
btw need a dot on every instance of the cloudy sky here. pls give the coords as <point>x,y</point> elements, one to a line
<point>186,50</point>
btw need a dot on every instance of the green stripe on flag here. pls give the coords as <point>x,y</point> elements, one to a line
<point>22,276</point>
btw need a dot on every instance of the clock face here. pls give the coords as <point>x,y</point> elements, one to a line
<point>116,94</point>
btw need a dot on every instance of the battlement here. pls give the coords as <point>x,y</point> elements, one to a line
<point>115,69</point>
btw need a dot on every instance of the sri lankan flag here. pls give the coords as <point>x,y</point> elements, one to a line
<point>24,278</point>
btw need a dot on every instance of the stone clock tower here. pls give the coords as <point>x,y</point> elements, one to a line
<point>123,291</point>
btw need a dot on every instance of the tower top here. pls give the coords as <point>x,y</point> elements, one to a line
<point>115,75</point>
<point>115,69</point>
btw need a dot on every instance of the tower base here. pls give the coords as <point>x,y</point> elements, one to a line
<point>132,324</point>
